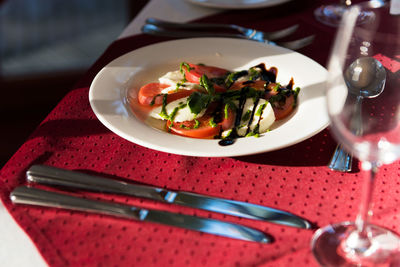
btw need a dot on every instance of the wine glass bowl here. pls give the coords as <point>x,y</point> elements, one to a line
<point>380,250</point>
<point>365,77</point>
<point>331,15</point>
<point>363,101</point>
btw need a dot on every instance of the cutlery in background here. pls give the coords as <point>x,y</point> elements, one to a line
<point>341,160</point>
<point>249,33</point>
<point>59,177</point>
<point>39,197</point>
<point>155,30</point>
<point>365,78</point>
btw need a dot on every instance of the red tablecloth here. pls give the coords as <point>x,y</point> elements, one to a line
<point>294,179</point>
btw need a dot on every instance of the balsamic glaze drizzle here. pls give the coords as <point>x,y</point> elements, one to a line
<point>267,75</point>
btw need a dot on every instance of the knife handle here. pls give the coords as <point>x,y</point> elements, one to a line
<point>48,175</point>
<point>35,196</point>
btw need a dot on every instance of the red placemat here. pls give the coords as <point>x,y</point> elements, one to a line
<point>294,179</point>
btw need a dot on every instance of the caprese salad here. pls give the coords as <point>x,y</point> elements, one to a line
<point>203,101</point>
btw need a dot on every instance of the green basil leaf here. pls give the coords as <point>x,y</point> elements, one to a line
<point>207,84</point>
<point>186,65</point>
<point>233,76</point>
<point>198,101</point>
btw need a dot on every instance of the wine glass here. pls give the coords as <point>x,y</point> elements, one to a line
<point>332,14</point>
<point>368,125</point>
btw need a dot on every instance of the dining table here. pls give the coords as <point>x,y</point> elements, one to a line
<point>294,178</point>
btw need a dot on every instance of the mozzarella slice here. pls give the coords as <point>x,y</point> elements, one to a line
<point>226,133</point>
<point>264,118</point>
<point>248,76</point>
<point>182,114</point>
<point>172,78</point>
<point>246,115</point>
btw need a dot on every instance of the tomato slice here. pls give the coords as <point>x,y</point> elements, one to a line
<point>151,91</point>
<point>270,90</point>
<point>148,91</point>
<point>258,85</point>
<point>282,110</point>
<point>186,128</point>
<point>203,129</point>
<point>228,123</point>
<point>197,71</point>
<point>219,89</point>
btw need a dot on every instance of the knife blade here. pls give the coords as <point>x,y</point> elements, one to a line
<point>54,176</point>
<point>40,197</point>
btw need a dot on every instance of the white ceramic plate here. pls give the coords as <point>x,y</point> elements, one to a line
<point>108,93</point>
<point>237,4</point>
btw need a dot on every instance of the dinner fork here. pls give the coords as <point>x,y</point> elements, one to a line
<point>249,33</point>
<point>155,30</point>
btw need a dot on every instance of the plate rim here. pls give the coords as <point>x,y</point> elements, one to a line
<point>221,152</point>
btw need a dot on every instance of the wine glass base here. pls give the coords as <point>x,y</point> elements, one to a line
<point>331,15</point>
<point>328,243</point>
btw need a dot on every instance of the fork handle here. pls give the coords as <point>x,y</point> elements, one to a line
<point>341,160</point>
<point>191,26</point>
<point>155,30</point>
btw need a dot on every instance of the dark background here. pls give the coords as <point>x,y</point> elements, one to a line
<point>45,47</point>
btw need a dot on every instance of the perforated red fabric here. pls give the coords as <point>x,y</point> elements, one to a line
<point>294,179</point>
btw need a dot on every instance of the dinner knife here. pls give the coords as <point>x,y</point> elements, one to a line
<point>60,177</point>
<point>40,197</point>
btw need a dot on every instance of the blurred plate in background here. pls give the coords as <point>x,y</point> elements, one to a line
<point>237,4</point>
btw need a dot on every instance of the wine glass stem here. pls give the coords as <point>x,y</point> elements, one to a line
<point>368,188</point>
